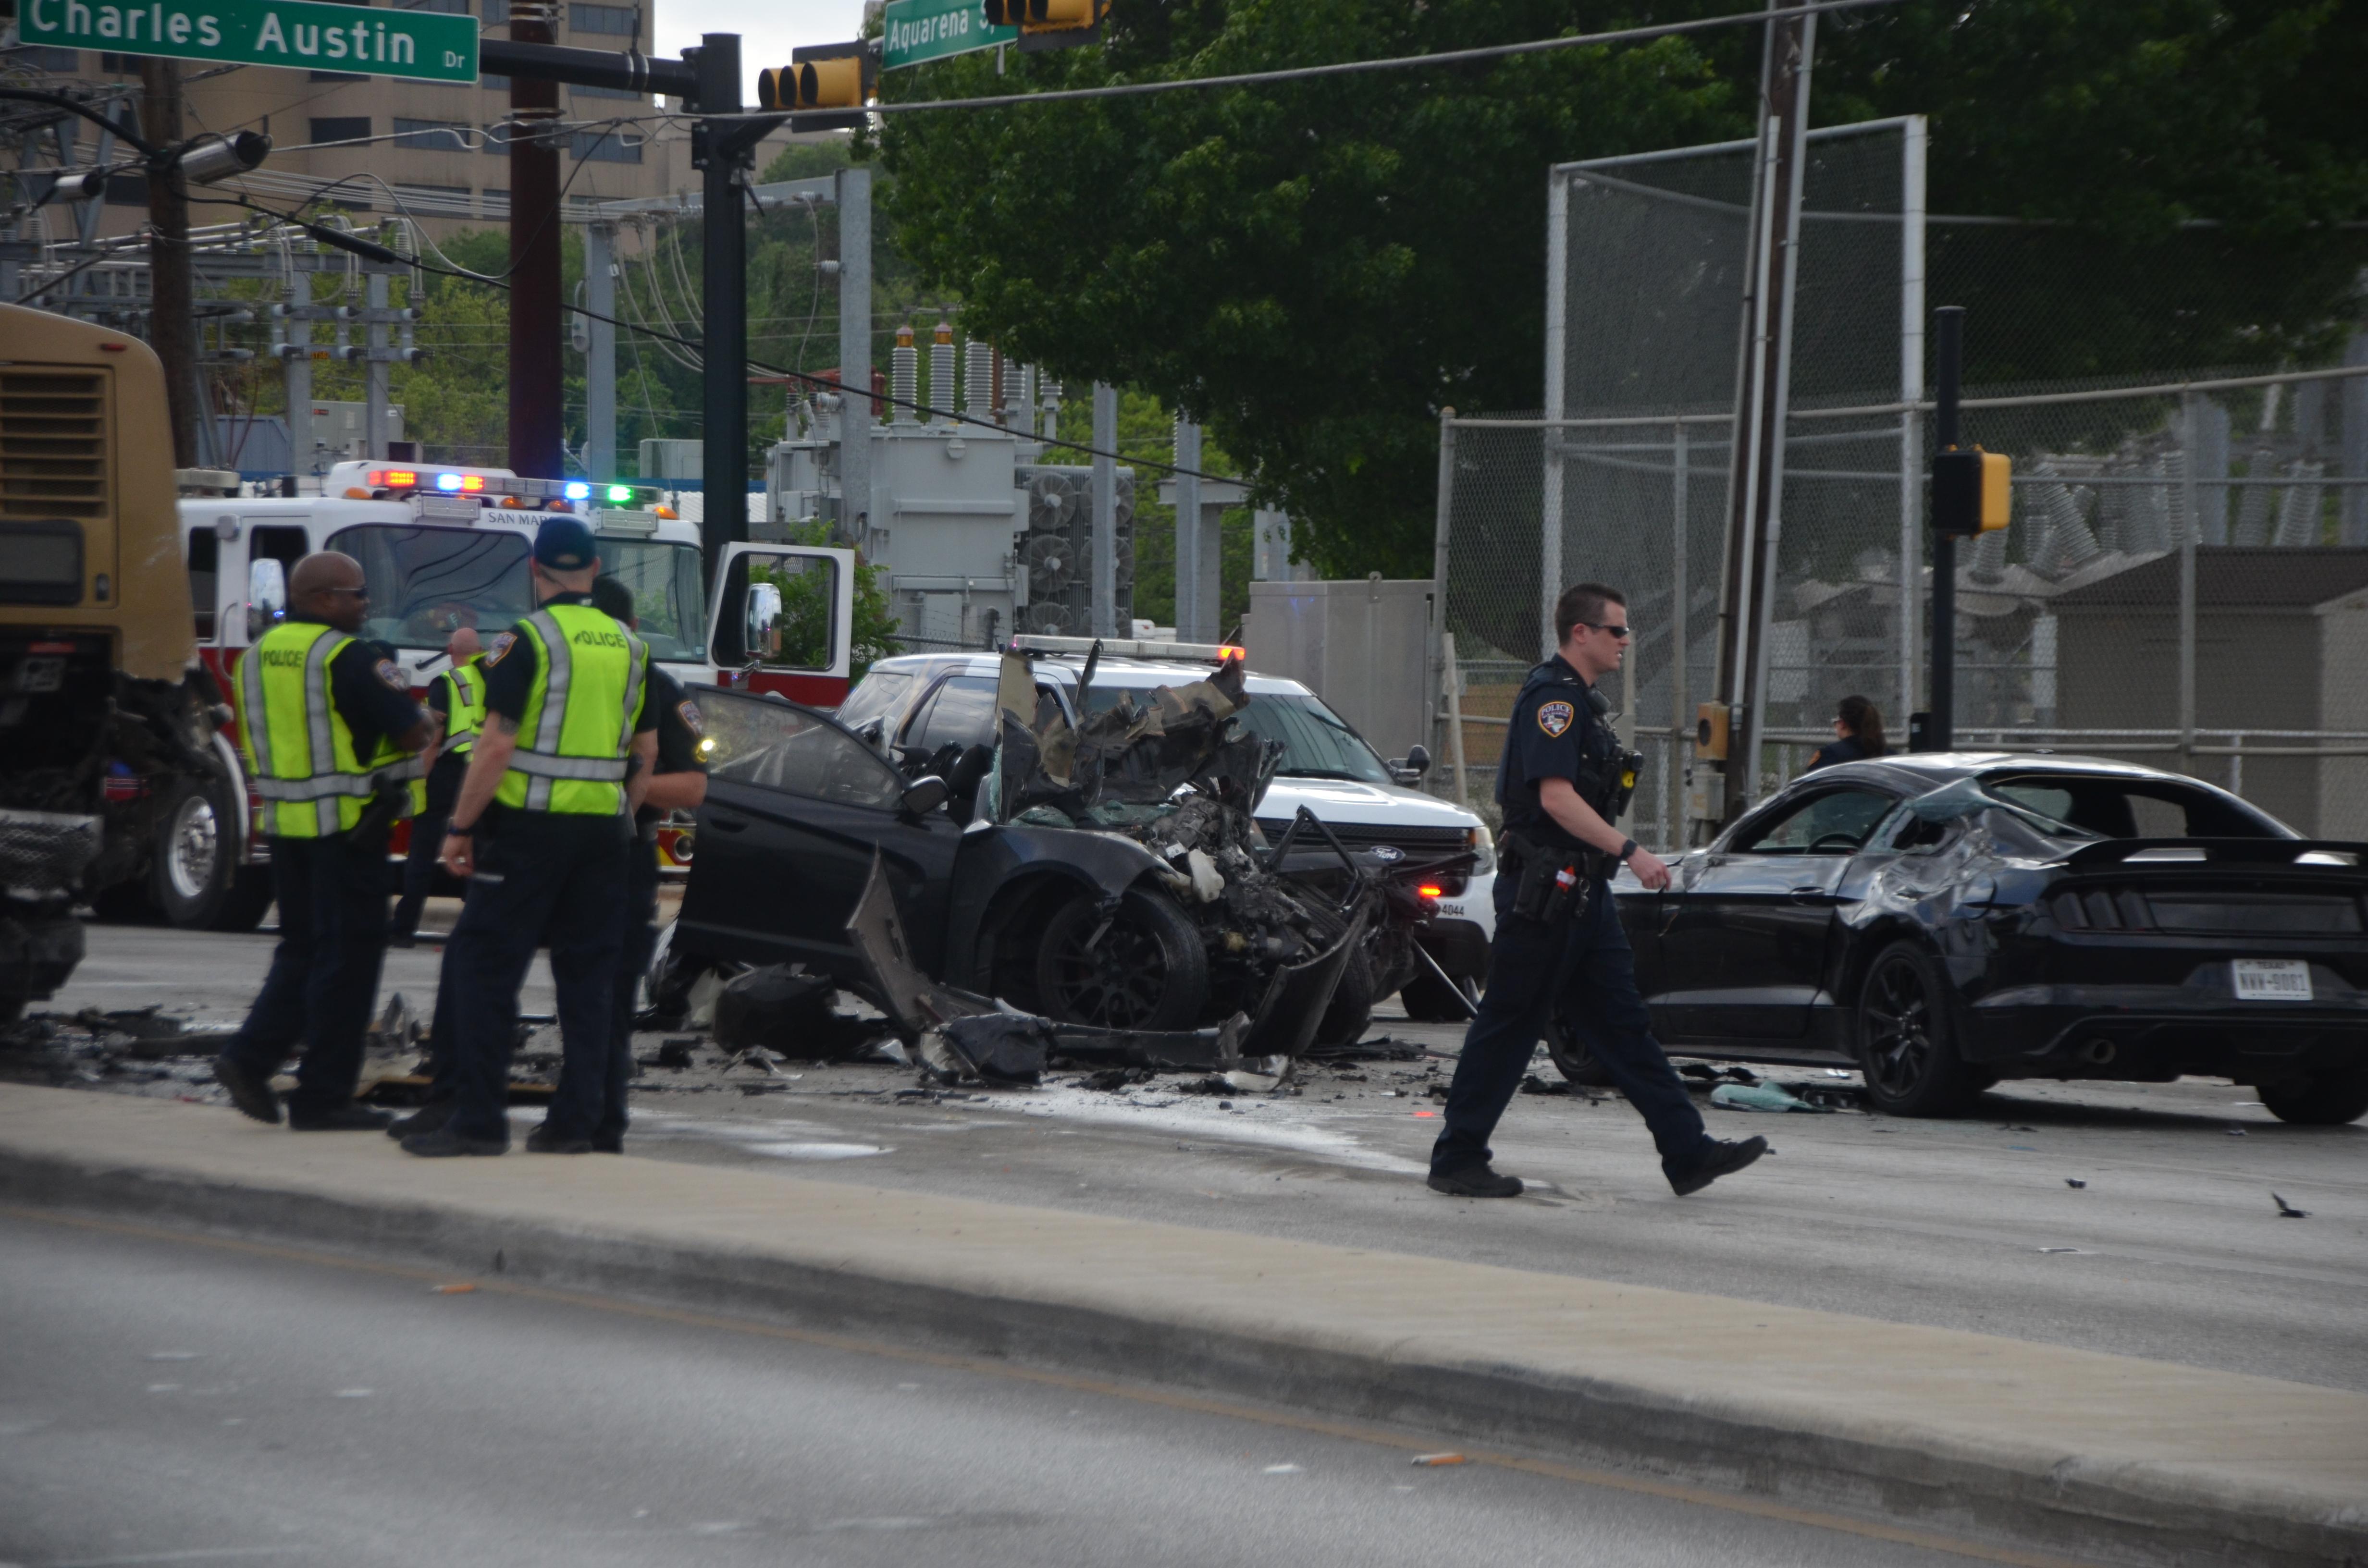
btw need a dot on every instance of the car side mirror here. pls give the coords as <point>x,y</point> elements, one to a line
<point>761,635</point>
<point>267,596</point>
<point>1409,768</point>
<point>924,796</point>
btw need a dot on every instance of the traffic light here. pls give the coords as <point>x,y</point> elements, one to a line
<point>1970,492</point>
<point>1050,24</point>
<point>825,86</point>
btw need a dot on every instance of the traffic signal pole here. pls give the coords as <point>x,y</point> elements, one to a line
<point>721,152</point>
<point>1949,358</point>
<point>536,370</point>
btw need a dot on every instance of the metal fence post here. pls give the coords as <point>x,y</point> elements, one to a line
<point>2191,419</point>
<point>1442,656</point>
<point>1105,525</point>
<point>853,198</point>
<point>1911,392</point>
<point>1453,679</point>
<point>1550,433</point>
<point>1680,541</point>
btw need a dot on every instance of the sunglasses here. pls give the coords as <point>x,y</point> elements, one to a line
<point>1622,633</point>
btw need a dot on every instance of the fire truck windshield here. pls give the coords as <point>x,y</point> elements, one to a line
<point>670,597</point>
<point>425,581</point>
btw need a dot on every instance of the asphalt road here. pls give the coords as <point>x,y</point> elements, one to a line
<point>2173,1250</point>
<point>168,1402</point>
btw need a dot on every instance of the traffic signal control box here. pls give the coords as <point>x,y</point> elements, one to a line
<point>1971,492</point>
<point>1050,24</point>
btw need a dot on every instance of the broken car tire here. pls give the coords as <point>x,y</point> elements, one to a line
<point>1139,967</point>
<point>2320,1099</point>
<point>1906,1038</point>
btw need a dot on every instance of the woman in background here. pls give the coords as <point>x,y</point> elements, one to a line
<point>1858,733</point>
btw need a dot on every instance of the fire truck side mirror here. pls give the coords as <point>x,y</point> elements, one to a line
<point>763,635</point>
<point>267,596</point>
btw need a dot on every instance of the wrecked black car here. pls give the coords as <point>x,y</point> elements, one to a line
<point>1943,922</point>
<point>1108,875</point>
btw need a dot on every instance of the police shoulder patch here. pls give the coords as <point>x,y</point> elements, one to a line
<point>391,673</point>
<point>499,647</point>
<point>689,713</point>
<point>1555,718</point>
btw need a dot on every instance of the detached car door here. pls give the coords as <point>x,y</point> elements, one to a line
<point>1744,957</point>
<point>796,806</point>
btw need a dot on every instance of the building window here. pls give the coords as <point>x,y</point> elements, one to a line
<point>122,64</point>
<point>498,140</point>
<point>439,135</point>
<point>625,93</point>
<point>449,7</point>
<point>493,84</point>
<point>621,20</point>
<point>63,62</point>
<point>497,13</point>
<point>603,147</point>
<point>342,127</point>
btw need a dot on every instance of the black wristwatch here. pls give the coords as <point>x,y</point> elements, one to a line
<point>1627,847</point>
<point>454,830</point>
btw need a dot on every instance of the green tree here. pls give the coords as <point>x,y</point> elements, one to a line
<point>1316,269</point>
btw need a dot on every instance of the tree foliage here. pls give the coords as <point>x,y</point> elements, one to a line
<point>1316,269</point>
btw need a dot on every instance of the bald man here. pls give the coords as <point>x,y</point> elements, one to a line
<point>326,722</point>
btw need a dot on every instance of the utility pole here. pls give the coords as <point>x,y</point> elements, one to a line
<point>1949,365</point>
<point>537,368</point>
<point>1755,485</point>
<point>854,201</point>
<point>171,321</point>
<point>1196,608</point>
<point>1105,523</point>
<point>600,353</point>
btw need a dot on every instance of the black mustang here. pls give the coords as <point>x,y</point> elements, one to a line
<point>1942,922</point>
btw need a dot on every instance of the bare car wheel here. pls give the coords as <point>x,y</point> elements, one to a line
<point>1139,967</point>
<point>2320,1099</point>
<point>1427,1000</point>
<point>1907,1046</point>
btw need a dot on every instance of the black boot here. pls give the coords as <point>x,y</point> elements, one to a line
<point>1723,1159</point>
<point>250,1093</point>
<point>346,1117</point>
<point>1477,1181</point>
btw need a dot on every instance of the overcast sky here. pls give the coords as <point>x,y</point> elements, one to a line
<point>768,30</point>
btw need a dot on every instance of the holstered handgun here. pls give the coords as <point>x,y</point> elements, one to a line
<point>1555,883</point>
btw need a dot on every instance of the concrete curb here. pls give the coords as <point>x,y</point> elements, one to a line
<point>2034,1495</point>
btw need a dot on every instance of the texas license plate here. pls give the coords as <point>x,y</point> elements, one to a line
<point>2272,980</point>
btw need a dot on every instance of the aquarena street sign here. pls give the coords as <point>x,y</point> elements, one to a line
<point>426,46</point>
<point>917,30</point>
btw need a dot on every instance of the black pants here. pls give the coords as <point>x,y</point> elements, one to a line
<point>1584,972</point>
<point>324,979</point>
<point>428,841</point>
<point>541,878</point>
<point>641,940</point>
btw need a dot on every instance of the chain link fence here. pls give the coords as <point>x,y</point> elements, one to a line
<point>2184,583</point>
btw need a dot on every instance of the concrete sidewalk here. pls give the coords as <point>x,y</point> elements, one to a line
<point>2067,1450</point>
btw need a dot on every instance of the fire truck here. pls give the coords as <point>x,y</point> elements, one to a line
<point>443,547</point>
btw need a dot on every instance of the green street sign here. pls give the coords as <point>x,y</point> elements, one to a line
<point>918,31</point>
<point>425,46</point>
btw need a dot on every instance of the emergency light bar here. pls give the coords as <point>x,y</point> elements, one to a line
<point>1129,648</point>
<point>506,487</point>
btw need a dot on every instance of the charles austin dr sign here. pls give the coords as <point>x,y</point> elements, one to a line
<point>428,45</point>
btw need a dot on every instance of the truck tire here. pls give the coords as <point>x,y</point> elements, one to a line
<point>1140,968</point>
<point>2329,1098</point>
<point>193,864</point>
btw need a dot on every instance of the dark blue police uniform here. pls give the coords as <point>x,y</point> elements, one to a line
<point>679,730</point>
<point>1578,969</point>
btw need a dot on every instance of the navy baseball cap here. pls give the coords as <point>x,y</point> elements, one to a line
<point>564,544</point>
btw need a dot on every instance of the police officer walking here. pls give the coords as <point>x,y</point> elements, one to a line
<point>681,784</point>
<point>1559,949</point>
<point>456,700</point>
<point>325,721</point>
<point>539,829</point>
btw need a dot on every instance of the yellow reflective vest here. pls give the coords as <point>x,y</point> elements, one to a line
<point>580,715</point>
<point>300,751</point>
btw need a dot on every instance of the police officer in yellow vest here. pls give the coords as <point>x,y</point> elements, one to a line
<point>553,779</point>
<point>325,720</point>
<point>456,701</point>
